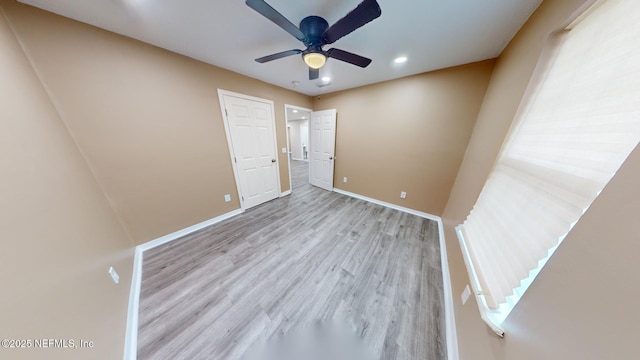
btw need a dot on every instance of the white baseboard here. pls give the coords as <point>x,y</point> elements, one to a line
<point>131,337</point>
<point>449,315</point>
<point>450,321</point>
<point>389,205</point>
<point>180,233</point>
<point>131,340</point>
<point>285,193</point>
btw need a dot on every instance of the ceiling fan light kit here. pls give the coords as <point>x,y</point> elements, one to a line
<point>314,60</point>
<point>314,32</point>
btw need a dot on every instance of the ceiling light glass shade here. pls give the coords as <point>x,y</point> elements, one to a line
<point>315,60</point>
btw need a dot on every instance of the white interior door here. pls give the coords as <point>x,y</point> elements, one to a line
<point>322,141</point>
<point>251,129</point>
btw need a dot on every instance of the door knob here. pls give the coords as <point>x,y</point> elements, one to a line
<point>330,157</point>
<point>273,160</point>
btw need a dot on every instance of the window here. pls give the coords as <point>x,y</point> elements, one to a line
<point>578,124</point>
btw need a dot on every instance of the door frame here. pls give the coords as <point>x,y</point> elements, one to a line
<point>286,122</point>
<point>225,121</point>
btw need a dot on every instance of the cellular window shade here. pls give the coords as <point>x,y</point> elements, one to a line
<point>579,123</point>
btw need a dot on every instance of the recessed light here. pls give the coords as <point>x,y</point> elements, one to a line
<point>304,117</point>
<point>326,79</point>
<point>400,59</point>
<point>295,111</point>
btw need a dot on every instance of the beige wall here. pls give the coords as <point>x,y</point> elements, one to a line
<point>147,120</point>
<point>584,304</point>
<point>59,234</point>
<point>407,135</point>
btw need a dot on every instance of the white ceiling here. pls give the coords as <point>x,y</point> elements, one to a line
<point>433,34</point>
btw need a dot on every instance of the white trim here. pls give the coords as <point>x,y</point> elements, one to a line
<point>131,339</point>
<point>186,231</point>
<point>449,315</point>
<point>389,205</point>
<point>450,320</point>
<point>285,193</point>
<point>486,313</point>
<point>131,335</point>
<point>221,94</point>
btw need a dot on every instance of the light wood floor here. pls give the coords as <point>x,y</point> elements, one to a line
<point>304,259</point>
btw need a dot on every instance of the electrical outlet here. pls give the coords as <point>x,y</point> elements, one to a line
<point>227,198</point>
<point>403,195</point>
<point>465,294</point>
<point>284,150</point>
<point>114,275</point>
<point>344,179</point>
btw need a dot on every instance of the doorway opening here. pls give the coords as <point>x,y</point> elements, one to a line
<point>297,120</point>
<point>298,129</point>
<point>311,139</point>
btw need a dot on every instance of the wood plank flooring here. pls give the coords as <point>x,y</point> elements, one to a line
<point>314,257</point>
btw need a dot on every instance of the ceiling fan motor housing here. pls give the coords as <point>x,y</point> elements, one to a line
<point>313,28</point>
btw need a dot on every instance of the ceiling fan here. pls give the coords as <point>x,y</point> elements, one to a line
<point>314,32</point>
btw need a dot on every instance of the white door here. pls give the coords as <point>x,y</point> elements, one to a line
<point>322,141</point>
<point>251,130</point>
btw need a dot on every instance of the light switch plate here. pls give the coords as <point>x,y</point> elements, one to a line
<point>284,150</point>
<point>403,195</point>
<point>227,198</point>
<point>465,294</point>
<point>344,179</point>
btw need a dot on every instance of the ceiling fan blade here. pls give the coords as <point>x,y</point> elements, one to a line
<point>314,73</point>
<point>351,58</point>
<point>364,13</point>
<point>279,55</point>
<point>272,14</point>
